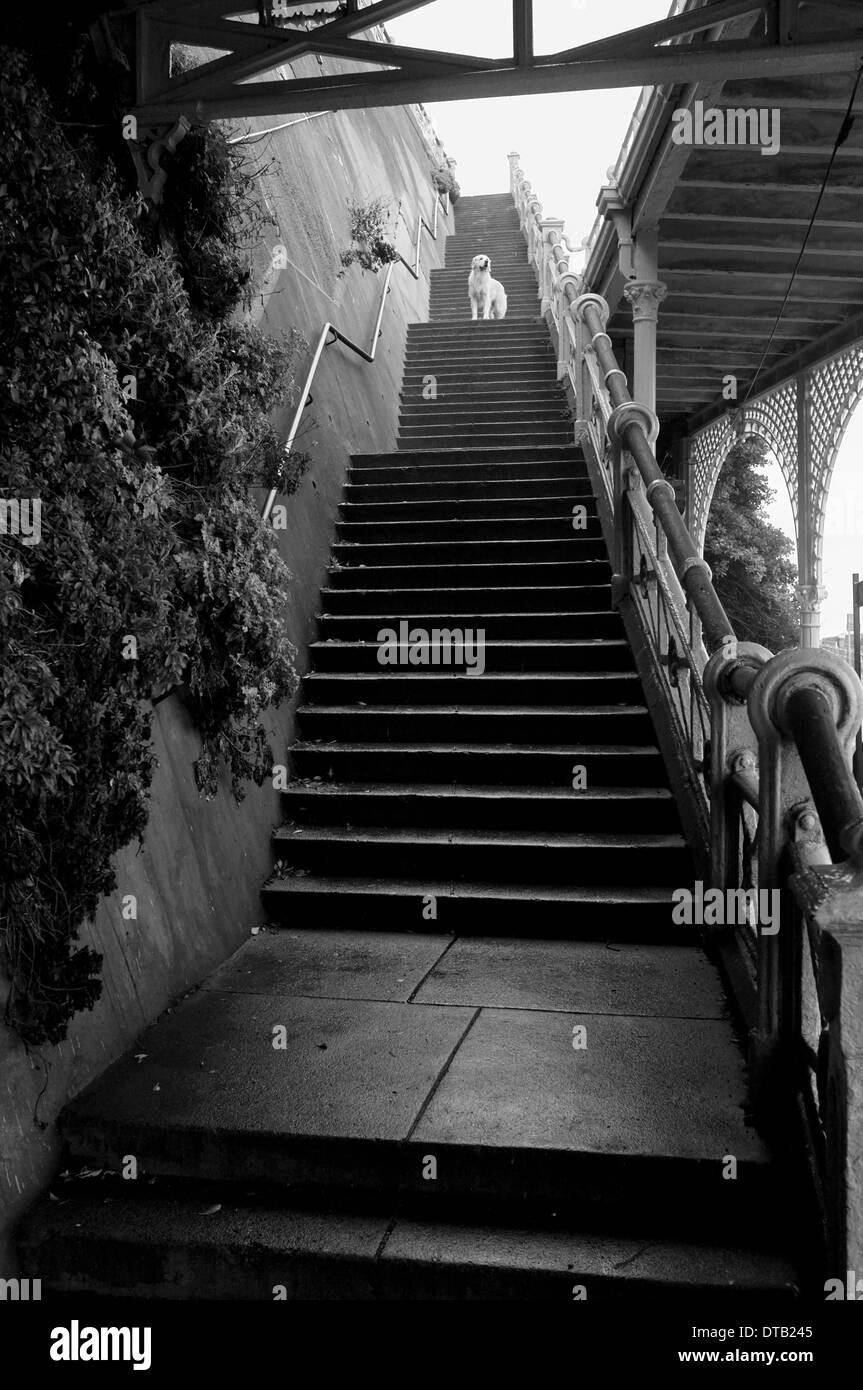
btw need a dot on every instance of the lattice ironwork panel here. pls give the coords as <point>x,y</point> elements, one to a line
<point>835,389</point>
<point>707,451</point>
<point>772,418</point>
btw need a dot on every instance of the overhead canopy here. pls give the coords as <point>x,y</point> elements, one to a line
<point>682,48</point>
<point>754,292</point>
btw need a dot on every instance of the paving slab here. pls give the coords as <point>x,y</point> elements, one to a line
<point>645,1087</point>
<point>331,964</point>
<point>577,976</point>
<point>349,1068</point>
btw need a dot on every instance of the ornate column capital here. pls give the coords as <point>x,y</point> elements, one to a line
<point>645,296</point>
<point>811,596</point>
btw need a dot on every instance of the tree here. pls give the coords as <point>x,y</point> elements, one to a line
<point>754,572</point>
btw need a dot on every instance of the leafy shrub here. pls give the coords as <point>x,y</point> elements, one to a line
<point>752,561</point>
<point>372,243</point>
<point>149,530</point>
<point>445,181</point>
<point>212,213</point>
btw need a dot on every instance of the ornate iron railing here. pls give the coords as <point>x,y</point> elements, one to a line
<point>762,747</point>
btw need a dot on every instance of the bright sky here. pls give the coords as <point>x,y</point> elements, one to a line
<point>567,144</point>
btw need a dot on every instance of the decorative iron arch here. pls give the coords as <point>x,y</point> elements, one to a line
<point>805,432</point>
<point>772,418</point>
<point>835,391</point>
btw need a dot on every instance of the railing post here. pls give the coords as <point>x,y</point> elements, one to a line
<point>627,479</point>
<point>832,901</point>
<point>783,790</point>
<point>549,226</point>
<point>733,744</point>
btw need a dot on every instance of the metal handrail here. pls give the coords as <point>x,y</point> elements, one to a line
<point>692,571</point>
<point>330,335</point>
<point>812,724</point>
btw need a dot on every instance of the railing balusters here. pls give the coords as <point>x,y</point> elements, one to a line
<point>775,733</point>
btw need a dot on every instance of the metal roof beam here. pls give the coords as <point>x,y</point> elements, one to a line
<point>229,100</point>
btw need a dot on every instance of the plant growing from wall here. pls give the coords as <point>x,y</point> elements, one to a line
<point>445,181</point>
<point>138,424</point>
<point>372,238</point>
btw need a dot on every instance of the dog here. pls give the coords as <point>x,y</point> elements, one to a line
<point>485,293</point>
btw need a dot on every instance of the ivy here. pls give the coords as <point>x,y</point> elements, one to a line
<point>149,530</point>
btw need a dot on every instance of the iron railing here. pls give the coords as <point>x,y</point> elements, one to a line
<point>763,746</point>
<point>329,334</point>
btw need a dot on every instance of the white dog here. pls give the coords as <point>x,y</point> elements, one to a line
<point>485,293</point>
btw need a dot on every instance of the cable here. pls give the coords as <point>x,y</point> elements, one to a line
<point>842,136</point>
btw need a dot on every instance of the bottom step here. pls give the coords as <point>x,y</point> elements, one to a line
<point>166,1249</point>
<point>497,909</point>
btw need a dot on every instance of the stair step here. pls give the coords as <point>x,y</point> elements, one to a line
<point>498,454</point>
<point>441,467</point>
<point>482,397</point>
<point>532,626</point>
<point>534,910</point>
<point>400,602</point>
<point>164,1250</point>
<point>468,552</point>
<point>492,653</point>
<point>463,438</point>
<point>545,527</point>
<point>359,760</point>
<point>504,855</point>
<point>479,807</point>
<point>650,1104</point>
<point>448,417</point>
<point>477,492</point>
<point>445,687</point>
<point>494,724</point>
<point>472,576</point>
<point>449,507</point>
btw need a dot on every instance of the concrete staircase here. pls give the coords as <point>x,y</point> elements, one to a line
<point>471,1057</point>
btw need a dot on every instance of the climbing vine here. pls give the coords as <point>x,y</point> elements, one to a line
<point>133,423</point>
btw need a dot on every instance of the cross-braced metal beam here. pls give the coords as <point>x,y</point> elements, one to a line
<point>650,55</point>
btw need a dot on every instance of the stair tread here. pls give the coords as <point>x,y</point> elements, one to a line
<point>383,1073</point>
<point>459,675</point>
<point>534,892</point>
<point>470,711</point>
<point>387,1241</point>
<point>408,835</point>
<point>395,746</point>
<point>473,790</point>
<point>563,642</point>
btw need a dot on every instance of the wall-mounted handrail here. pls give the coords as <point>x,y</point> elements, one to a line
<point>329,335</point>
<point>441,201</point>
